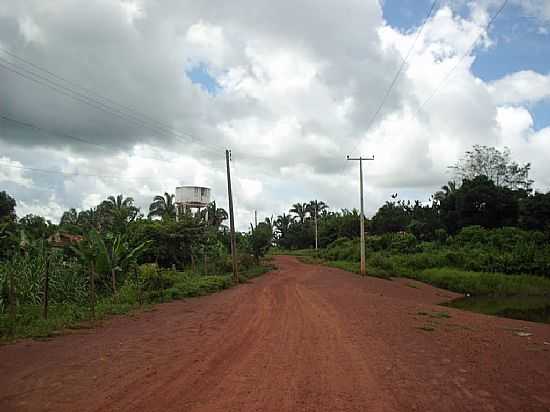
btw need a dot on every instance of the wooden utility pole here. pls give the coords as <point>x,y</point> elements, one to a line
<point>255,218</point>
<point>231,218</point>
<point>363,269</point>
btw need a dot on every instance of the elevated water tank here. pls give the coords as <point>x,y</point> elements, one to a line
<point>193,196</point>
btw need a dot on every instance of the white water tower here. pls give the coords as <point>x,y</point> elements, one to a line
<point>191,197</point>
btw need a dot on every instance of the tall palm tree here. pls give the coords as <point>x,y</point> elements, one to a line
<point>120,210</point>
<point>163,207</point>
<point>446,190</point>
<point>301,210</point>
<point>216,215</point>
<point>282,223</point>
<point>316,207</point>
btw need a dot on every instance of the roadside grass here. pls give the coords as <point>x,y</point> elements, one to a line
<point>354,267</point>
<point>29,322</point>
<point>483,283</point>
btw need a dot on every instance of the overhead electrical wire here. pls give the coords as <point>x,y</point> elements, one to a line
<point>74,84</point>
<point>40,75</point>
<point>109,148</point>
<point>467,53</point>
<point>399,71</point>
<point>69,174</point>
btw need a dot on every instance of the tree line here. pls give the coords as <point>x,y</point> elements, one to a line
<point>488,189</point>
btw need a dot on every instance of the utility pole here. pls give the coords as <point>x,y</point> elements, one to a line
<point>360,158</point>
<point>255,218</point>
<point>316,231</point>
<point>231,218</point>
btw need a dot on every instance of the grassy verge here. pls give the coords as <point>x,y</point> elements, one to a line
<point>30,323</point>
<point>482,283</point>
<point>453,279</point>
<point>347,265</point>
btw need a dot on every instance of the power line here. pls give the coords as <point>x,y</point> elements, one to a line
<point>74,84</point>
<point>137,119</point>
<point>400,70</point>
<point>25,124</point>
<point>34,169</point>
<point>470,50</point>
<point>39,129</point>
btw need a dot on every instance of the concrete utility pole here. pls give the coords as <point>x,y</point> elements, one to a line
<point>231,218</point>
<point>363,271</point>
<point>316,230</point>
<point>255,218</point>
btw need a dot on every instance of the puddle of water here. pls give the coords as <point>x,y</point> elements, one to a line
<point>532,308</point>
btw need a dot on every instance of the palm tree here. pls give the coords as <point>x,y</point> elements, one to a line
<point>314,207</point>
<point>121,210</point>
<point>301,210</point>
<point>282,223</point>
<point>163,207</point>
<point>216,215</point>
<point>446,190</point>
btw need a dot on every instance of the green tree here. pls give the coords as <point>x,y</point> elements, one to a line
<point>496,165</point>
<point>117,255</point>
<point>36,226</point>
<point>163,207</point>
<point>301,211</point>
<point>216,215</point>
<point>534,212</point>
<point>120,210</point>
<point>316,207</point>
<point>392,217</point>
<point>260,238</point>
<point>7,208</point>
<point>480,202</point>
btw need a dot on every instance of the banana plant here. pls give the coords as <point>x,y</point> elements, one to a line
<point>119,255</point>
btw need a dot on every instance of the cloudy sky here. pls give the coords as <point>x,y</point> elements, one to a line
<point>99,97</point>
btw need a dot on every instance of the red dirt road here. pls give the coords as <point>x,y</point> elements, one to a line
<point>301,338</point>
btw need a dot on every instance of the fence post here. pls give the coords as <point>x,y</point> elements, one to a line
<point>12,301</point>
<point>159,274</point>
<point>46,285</point>
<point>92,288</point>
<point>138,284</point>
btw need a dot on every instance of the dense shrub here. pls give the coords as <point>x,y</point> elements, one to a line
<point>506,250</point>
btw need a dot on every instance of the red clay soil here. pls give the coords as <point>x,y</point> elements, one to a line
<point>301,338</point>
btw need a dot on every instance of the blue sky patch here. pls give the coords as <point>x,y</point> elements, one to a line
<point>521,42</point>
<point>199,74</point>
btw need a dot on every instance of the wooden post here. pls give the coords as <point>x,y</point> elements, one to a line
<point>12,301</point>
<point>159,274</point>
<point>231,220</point>
<point>138,285</point>
<point>46,285</point>
<point>92,289</point>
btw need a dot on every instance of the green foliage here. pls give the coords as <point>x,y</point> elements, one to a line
<point>260,239</point>
<point>534,212</point>
<point>7,208</point>
<point>67,282</point>
<point>483,283</point>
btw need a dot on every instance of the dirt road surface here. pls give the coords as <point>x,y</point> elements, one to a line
<point>301,338</point>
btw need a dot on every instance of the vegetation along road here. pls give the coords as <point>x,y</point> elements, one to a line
<point>302,337</point>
